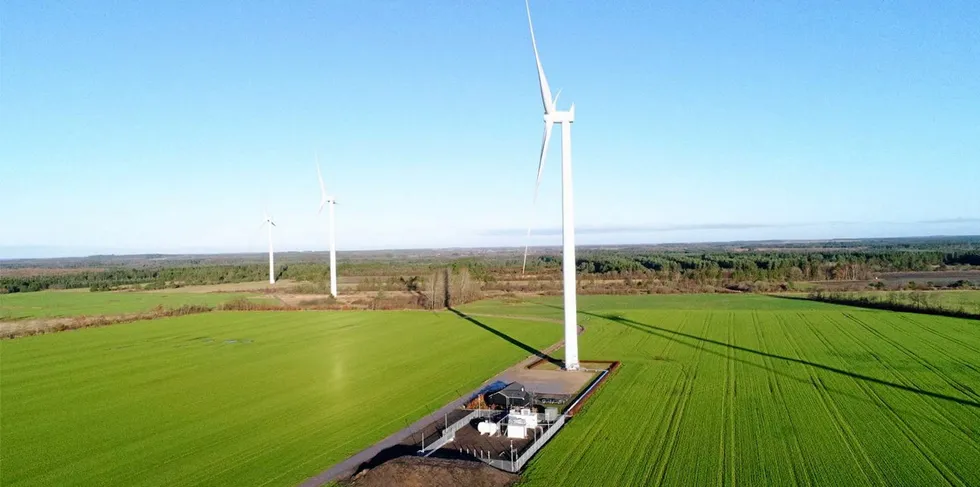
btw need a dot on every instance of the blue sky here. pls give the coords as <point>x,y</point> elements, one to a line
<point>131,127</point>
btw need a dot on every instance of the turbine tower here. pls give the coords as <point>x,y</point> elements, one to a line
<point>552,116</point>
<point>324,200</point>
<point>272,274</point>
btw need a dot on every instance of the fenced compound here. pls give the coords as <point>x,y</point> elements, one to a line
<point>463,439</point>
<point>449,434</point>
<point>516,464</point>
<point>513,459</point>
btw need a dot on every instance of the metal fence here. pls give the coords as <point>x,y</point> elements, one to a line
<point>517,464</point>
<point>449,434</point>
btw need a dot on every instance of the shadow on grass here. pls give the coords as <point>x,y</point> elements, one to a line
<point>687,339</point>
<point>509,339</point>
<point>860,302</point>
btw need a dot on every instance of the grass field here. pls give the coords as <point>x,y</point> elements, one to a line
<point>233,398</point>
<point>719,390</point>
<point>956,300</point>
<point>47,304</point>
<point>713,390</point>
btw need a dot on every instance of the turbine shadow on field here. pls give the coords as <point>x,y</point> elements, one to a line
<point>682,338</point>
<point>509,339</point>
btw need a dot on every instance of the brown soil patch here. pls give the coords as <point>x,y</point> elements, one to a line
<point>232,287</point>
<point>411,471</point>
<point>40,326</point>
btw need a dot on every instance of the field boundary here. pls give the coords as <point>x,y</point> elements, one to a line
<point>24,327</point>
<point>869,303</point>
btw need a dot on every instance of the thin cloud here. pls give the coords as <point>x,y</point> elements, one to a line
<point>949,220</point>
<point>632,229</point>
<point>594,230</point>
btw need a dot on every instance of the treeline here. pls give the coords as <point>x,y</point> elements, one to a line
<point>176,277</point>
<point>162,278</point>
<point>768,266</point>
<point>692,269</point>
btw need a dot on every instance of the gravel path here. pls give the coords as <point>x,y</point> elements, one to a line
<point>348,467</point>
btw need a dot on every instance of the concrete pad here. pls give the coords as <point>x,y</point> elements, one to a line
<point>552,381</point>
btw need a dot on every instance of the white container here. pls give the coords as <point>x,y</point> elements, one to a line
<point>488,428</point>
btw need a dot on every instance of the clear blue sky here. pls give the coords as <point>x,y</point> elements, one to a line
<point>170,126</point>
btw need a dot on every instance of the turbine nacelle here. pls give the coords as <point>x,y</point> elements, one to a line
<point>565,116</point>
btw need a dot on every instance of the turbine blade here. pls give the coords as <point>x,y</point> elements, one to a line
<point>548,125</point>
<point>323,203</point>
<point>319,176</point>
<point>542,80</point>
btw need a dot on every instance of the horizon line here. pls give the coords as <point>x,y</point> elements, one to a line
<point>516,248</point>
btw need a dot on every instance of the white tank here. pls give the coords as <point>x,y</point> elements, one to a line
<point>488,428</point>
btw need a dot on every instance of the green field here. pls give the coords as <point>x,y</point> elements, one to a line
<point>234,398</point>
<point>45,304</point>
<point>713,390</point>
<point>719,390</point>
<point>968,301</point>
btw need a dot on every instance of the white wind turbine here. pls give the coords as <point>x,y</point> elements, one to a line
<point>324,199</point>
<point>552,116</point>
<point>268,221</point>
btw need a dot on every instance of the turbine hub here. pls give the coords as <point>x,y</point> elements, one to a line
<point>560,116</point>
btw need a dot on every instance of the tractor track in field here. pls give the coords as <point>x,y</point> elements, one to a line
<point>939,348</point>
<point>952,382</point>
<point>930,456</point>
<point>846,432</point>
<point>800,471</point>
<point>726,472</point>
<point>940,412</point>
<point>349,466</point>
<point>929,329</point>
<point>673,428</point>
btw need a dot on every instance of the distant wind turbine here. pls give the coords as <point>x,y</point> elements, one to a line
<point>324,200</point>
<point>272,275</point>
<point>552,116</point>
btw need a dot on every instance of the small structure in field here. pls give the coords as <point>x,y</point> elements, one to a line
<point>521,422</point>
<point>514,395</point>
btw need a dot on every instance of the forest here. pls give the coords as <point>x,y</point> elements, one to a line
<point>723,265</point>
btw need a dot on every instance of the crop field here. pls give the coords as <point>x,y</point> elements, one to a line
<point>956,300</point>
<point>718,390</point>
<point>234,398</point>
<point>46,304</point>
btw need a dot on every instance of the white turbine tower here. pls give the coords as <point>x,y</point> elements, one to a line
<point>324,200</point>
<point>552,116</point>
<point>272,275</point>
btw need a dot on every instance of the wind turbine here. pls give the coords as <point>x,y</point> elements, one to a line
<point>552,116</point>
<point>272,275</point>
<point>324,199</point>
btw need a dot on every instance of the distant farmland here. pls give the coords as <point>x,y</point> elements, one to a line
<point>47,304</point>
<point>764,391</point>
<point>234,398</point>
